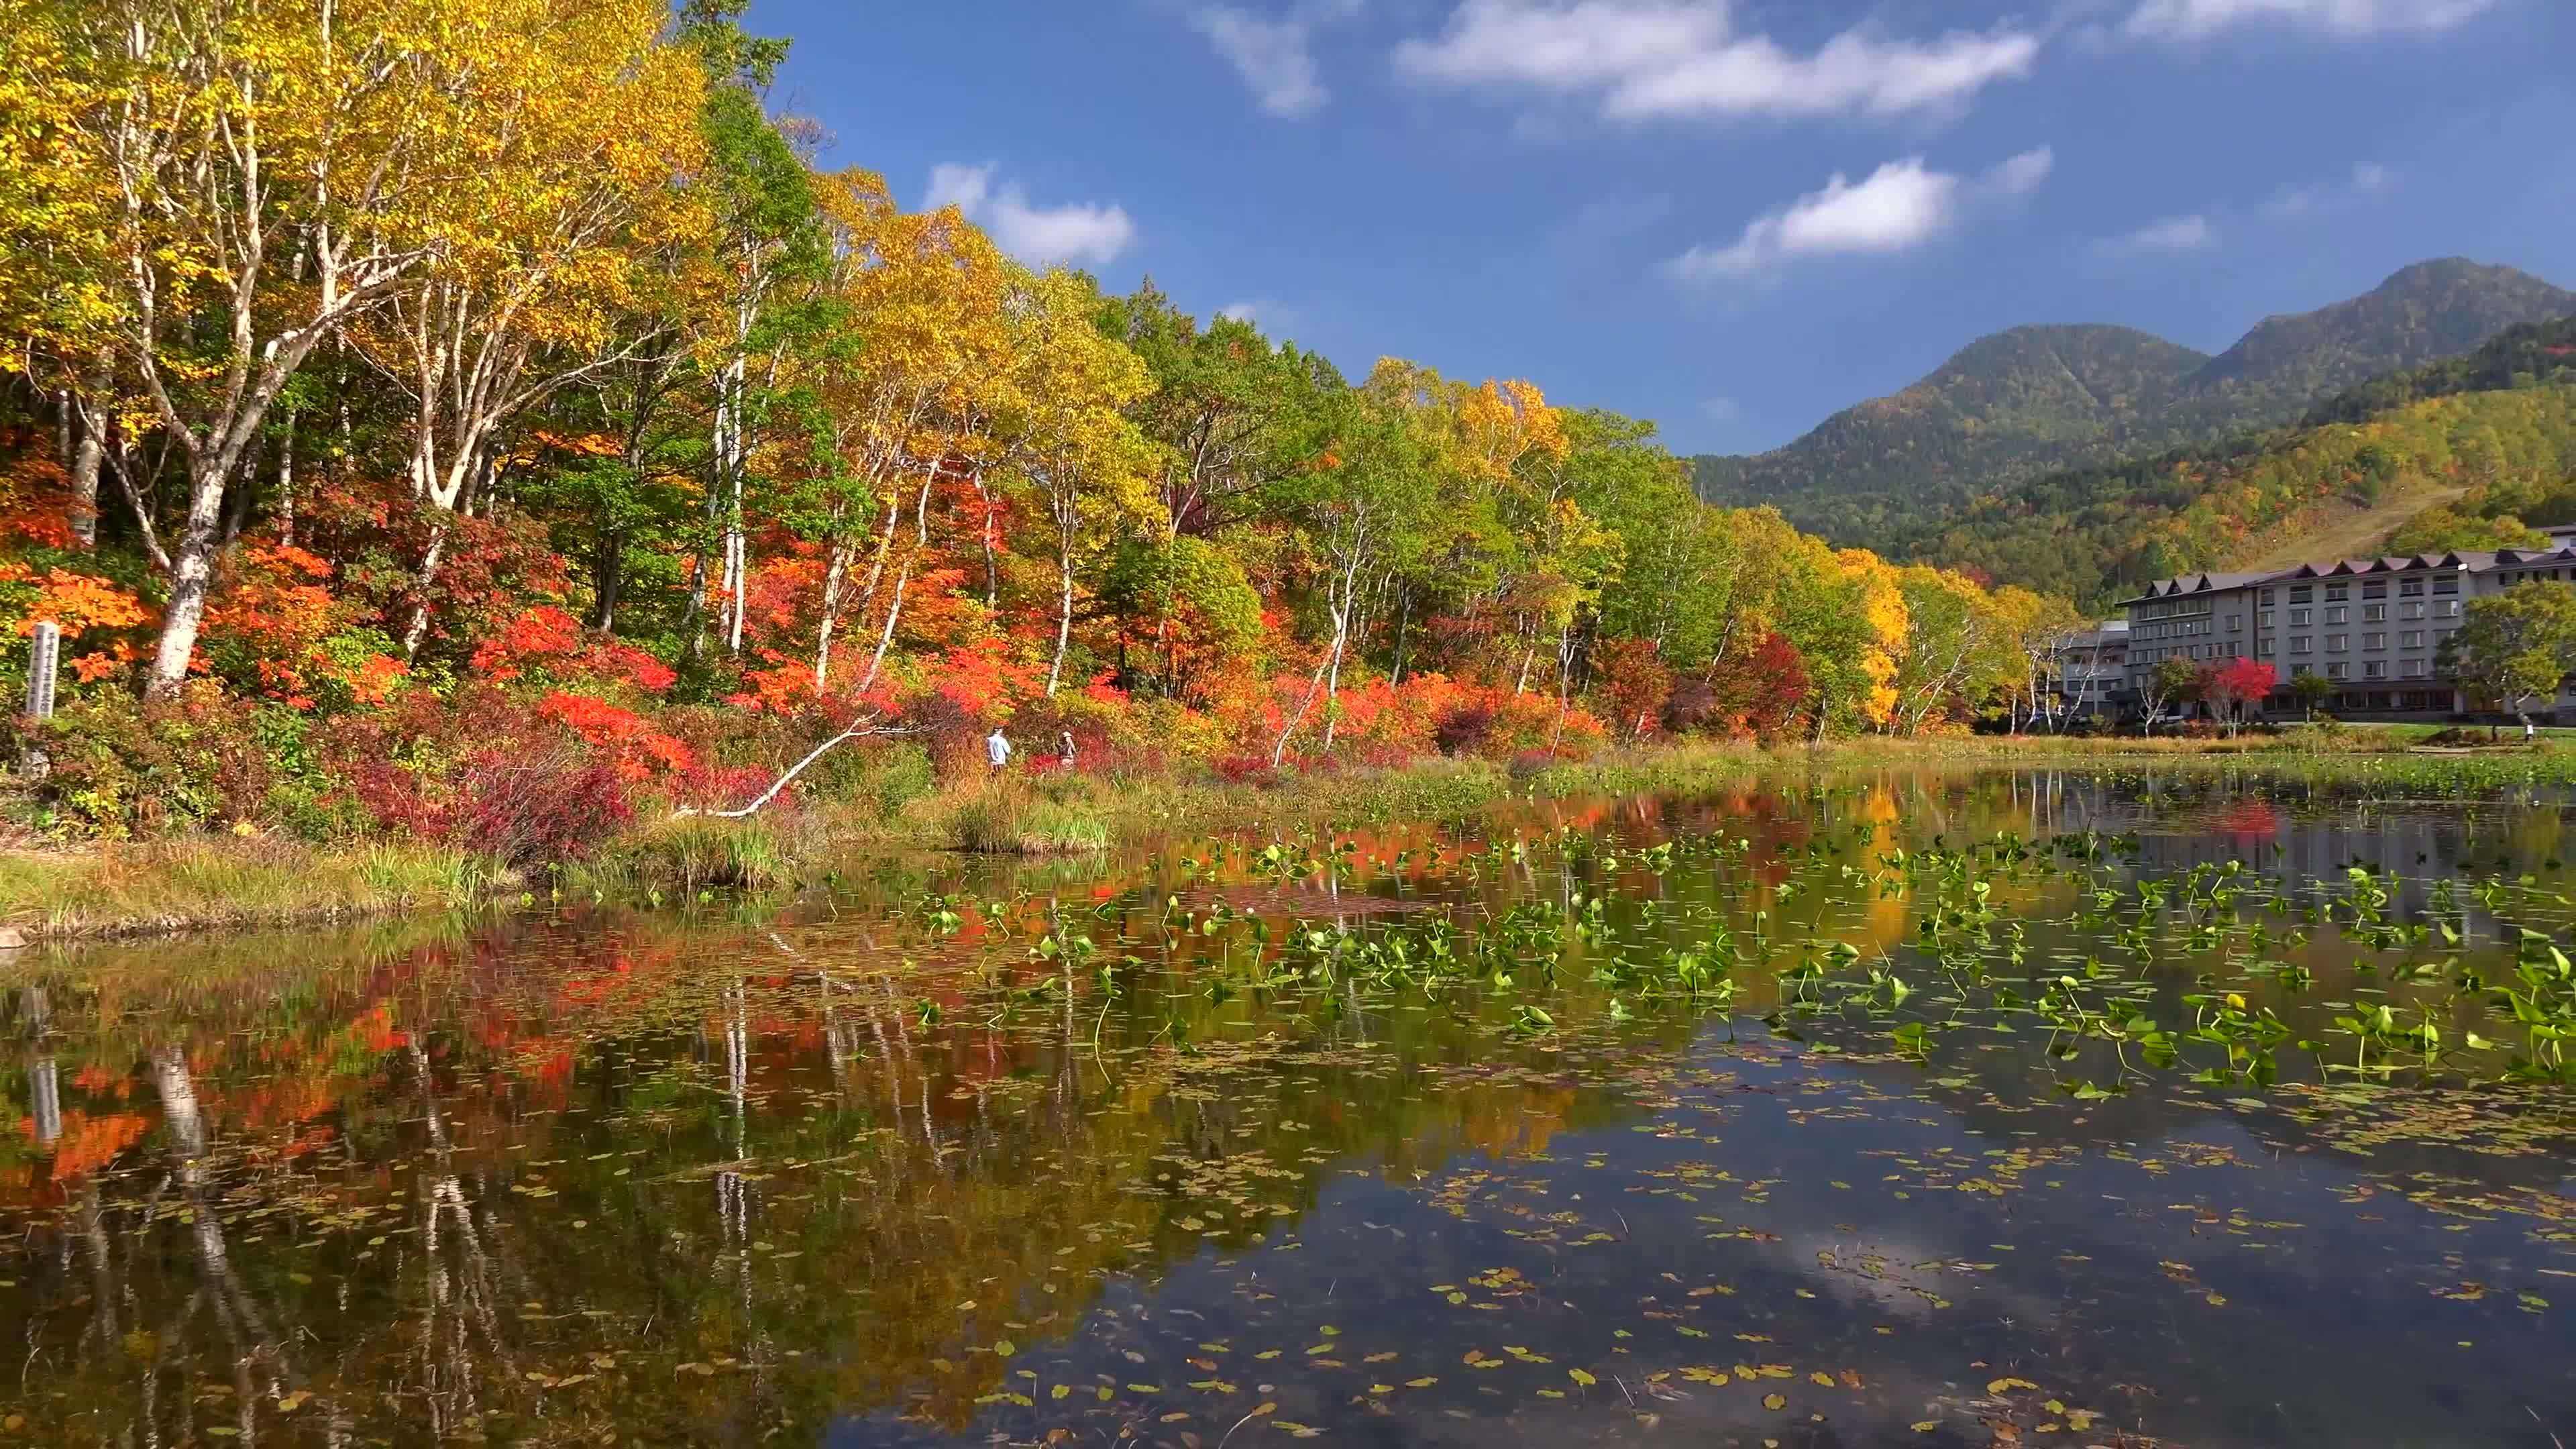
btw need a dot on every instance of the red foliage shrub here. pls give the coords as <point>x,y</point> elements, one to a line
<point>633,743</point>
<point>1634,685</point>
<point>1754,693</point>
<point>547,644</point>
<point>1464,730</point>
<point>530,810</point>
<point>479,771</point>
<point>1246,770</point>
<point>489,566</point>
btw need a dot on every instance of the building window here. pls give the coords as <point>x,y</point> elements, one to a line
<point>2334,671</point>
<point>2337,643</point>
<point>2262,648</point>
<point>2236,623</point>
<point>2299,617</point>
<point>2411,639</point>
<point>2338,616</point>
<point>2448,584</point>
<point>2374,669</point>
<point>2263,620</point>
<point>2411,611</point>
<point>2446,608</point>
<point>2303,593</point>
<point>2374,641</point>
<point>2377,589</point>
<point>2338,591</point>
<point>2299,644</point>
<point>2267,596</point>
<point>2410,588</point>
<point>2412,668</point>
<point>2374,613</point>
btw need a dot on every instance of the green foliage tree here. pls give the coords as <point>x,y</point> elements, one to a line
<point>2513,649</point>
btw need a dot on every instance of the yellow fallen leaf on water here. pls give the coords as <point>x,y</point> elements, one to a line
<point>1580,1377</point>
<point>1774,1402</point>
<point>1998,1386</point>
<point>1925,1426</point>
<point>1419,1383</point>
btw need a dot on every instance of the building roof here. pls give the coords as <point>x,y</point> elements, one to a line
<point>2198,584</point>
<point>2460,560</point>
<point>2100,636</point>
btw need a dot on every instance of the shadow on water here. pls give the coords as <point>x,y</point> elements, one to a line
<point>1941,1108</point>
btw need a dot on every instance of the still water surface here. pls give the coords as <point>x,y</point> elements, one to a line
<point>1161,1149</point>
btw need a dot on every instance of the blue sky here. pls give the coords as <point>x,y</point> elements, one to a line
<point>1732,218</point>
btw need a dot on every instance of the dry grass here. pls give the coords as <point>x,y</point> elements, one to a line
<point>114,890</point>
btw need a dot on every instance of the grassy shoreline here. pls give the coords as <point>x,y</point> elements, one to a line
<point>225,881</point>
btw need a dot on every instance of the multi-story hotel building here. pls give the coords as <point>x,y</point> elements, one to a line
<point>2373,626</point>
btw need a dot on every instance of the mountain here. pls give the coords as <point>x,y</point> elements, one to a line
<point>2427,311</point>
<point>2031,401</point>
<point>2458,453</point>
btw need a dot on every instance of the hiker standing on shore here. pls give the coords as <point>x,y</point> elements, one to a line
<point>997,748</point>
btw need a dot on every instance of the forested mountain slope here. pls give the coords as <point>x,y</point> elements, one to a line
<point>2032,401</point>
<point>2497,427</point>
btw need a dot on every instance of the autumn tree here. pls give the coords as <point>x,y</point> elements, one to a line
<point>1364,506</point>
<point>563,204</point>
<point>2166,690</point>
<point>1083,460</point>
<point>2310,690</point>
<point>2230,687</point>
<point>2035,629</point>
<point>2513,649</point>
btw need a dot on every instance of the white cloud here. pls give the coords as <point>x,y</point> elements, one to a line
<point>1272,56</point>
<point>2173,234</point>
<point>2196,19</point>
<point>1645,59</point>
<point>1608,221</point>
<point>2291,202</point>
<point>1898,207</point>
<point>1041,236</point>
<point>1275,56</point>
<point>2020,175</point>
<point>1274,317</point>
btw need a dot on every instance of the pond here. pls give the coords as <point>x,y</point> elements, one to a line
<point>1841,1109</point>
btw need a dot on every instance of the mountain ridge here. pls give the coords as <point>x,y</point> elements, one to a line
<point>2014,405</point>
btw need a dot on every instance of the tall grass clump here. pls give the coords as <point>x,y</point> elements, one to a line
<point>1016,816</point>
<point>689,853</point>
<point>230,880</point>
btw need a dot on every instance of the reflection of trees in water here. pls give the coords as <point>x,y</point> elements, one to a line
<point>825,1177</point>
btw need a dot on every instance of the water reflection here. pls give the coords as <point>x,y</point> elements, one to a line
<point>844,1170</point>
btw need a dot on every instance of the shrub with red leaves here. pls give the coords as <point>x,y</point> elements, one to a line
<point>1246,770</point>
<point>530,810</point>
<point>1464,730</point>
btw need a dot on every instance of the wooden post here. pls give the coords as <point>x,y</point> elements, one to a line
<point>41,667</point>
<point>43,662</point>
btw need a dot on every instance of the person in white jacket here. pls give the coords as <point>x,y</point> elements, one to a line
<point>997,748</point>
